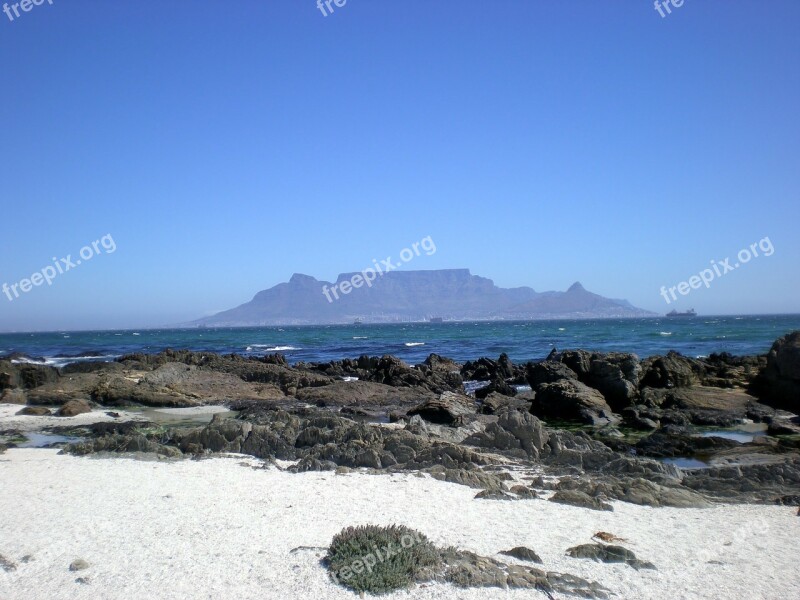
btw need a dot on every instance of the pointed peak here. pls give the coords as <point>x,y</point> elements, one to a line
<point>576,287</point>
<point>300,278</point>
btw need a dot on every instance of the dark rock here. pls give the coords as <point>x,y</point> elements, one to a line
<point>24,375</point>
<point>608,554</point>
<point>394,372</point>
<point>92,366</point>
<point>523,553</point>
<point>616,375</point>
<point>701,405</point>
<point>578,498</point>
<point>524,492</point>
<point>662,445</point>
<point>788,500</point>
<point>440,364</point>
<point>762,481</point>
<point>364,394</point>
<point>485,369</point>
<point>573,401</point>
<point>498,386</point>
<point>122,444</point>
<point>493,495</point>
<point>469,570</point>
<point>78,565</point>
<point>635,418</point>
<point>469,478</point>
<point>168,384</point>
<point>7,564</point>
<point>505,368</point>
<point>783,427</point>
<point>495,403</point>
<point>447,409</point>
<point>671,371</point>
<point>104,428</point>
<point>34,411</point>
<point>779,384</point>
<point>74,408</point>
<point>517,433</point>
<point>727,371</point>
<point>538,374</point>
<point>249,369</point>
<point>13,396</point>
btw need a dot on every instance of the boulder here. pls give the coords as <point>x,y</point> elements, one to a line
<point>78,565</point>
<point>73,408</point>
<point>779,384</point>
<point>616,375</point>
<point>34,411</point>
<point>447,409</point>
<point>482,369</point>
<point>13,396</point>
<point>25,375</point>
<point>440,364</point>
<point>394,372</point>
<point>571,400</point>
<point>523,553</point>
<point>578,498</point>
<point>495,403</point>
<point>671,371</point>
<point>784,427</point>
<point>538,374</point>
<point>516,433</point>
<point>469,570</point>
<point>608,554</point>
<point>497,385</point>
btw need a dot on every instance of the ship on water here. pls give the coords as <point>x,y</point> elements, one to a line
<point>689,313</point>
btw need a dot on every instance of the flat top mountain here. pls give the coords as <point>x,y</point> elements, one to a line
<point>450,294</point>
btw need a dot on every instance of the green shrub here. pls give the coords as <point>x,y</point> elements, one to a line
<point>381,559</point>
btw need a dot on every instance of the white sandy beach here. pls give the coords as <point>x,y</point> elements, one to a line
<point>219,528</point>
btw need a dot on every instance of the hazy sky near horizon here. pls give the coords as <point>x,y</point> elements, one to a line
<point>226,146</point>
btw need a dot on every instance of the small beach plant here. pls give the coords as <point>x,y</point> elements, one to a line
<point>379,560</point>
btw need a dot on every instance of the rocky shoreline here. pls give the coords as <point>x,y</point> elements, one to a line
<point>590,427</point>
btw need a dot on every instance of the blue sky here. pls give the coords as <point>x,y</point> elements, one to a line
<point>227,145</point>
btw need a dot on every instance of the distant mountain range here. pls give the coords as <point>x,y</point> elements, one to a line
<point>448,294</point>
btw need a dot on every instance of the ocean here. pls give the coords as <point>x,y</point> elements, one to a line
<point>413,342</point>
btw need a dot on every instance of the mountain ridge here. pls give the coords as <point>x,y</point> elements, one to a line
<point>397,296</point>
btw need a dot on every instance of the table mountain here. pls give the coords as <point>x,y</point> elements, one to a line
<point>451,294</point>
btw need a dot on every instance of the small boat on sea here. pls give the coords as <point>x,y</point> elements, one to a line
<point>436,320</point>
<point>689,313</point>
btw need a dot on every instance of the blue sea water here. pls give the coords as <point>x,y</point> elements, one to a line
<point>413,342</point>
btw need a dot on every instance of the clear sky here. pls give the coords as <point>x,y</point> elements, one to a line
<point>226,145</point>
